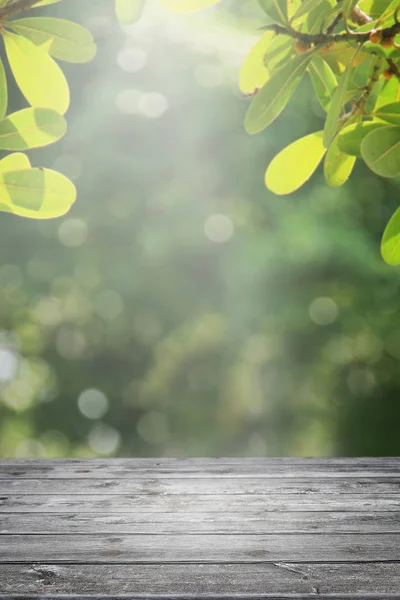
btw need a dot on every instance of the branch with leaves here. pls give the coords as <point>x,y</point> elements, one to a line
<point>349,52</point>
<point>351,56</point>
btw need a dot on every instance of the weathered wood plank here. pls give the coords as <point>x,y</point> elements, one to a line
<point>200,580</point>
<point>198,504</point>
<point>254,523</point>
<point>199,548</point>
<point>200,467</point>
<point>222,596</point>
<point>203,486</point>
<point>200,528</point>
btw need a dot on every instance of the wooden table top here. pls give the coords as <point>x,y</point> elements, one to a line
<point>200,528</point>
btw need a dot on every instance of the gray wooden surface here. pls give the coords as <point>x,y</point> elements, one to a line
<point>200,528</point>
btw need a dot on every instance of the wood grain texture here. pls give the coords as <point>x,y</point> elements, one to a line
<point>206,548</point>
<point>155,503</point>
<point>125,468</point>
<point>254,523</point>
<point>194,529</point>
<point>192,579</point>
<point>201,486</point>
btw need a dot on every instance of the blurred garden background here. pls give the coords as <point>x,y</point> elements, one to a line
<point>181,309</point>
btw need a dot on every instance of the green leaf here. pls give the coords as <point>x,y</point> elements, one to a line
<point>185,5</point>
<point>389,93</point>
<point>337,165</point>
<point>295,164</point>
<point>374,8</point>
<point>335,109</point>
<point>388,12</point>
<point>317,18</point>
<point>390,113</point>
<point>350,137</point>
<point>17,161</point>
<point>381,151</point>
<point>279,52</point>
<point>323,80</point>
<point>306,7</point>
<point>64,39</point>
<point>128,11</point>
<point>254,73</point>
<point>390,244</point>
<point>38,76</point>
<point>275,94</point>
<point>276,10</point>
<point>347,8</point>
<point>31,128</point>
<point>36,193</point>
<point>3,91</point>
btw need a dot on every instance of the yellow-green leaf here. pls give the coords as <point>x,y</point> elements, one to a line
<point>254,73</point>
<point>68,41</point>
<point>45,3</point>
<point>295,164</point>
<point>3,91</point>
<point>275,94</point>
<point>336,105</point>
<point>31,128</point>
<point>186,5</point>
<point>17,161</point>
<point>128,11</point>
<point>390,244</point>
<point>36,193</point>
<point>337,165</point>
<point>38,76</point>
<point>323,80</point>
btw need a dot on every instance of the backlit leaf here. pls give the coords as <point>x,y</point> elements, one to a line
<point>337,165</point>
<point>45,3</point>
<point>68,41</point>
<point>323,80</point>
<point>335,109</point>
<point>36,193</point>
<point>390,244</point>
<point>31,128</point>
<point>254,73</point>
<point>295,164</point>
<point>276,93</point>
<point>38,76</point>
<point>17,161</point>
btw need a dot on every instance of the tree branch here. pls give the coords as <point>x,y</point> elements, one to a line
<point>329,38</point>
<point>359,16</point>
<point>16,7</point>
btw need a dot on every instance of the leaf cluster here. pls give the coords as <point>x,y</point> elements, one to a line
<point>350,54</point>
<point>348,50</point>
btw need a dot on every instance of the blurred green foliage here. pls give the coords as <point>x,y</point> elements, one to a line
<point>180,309</point>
